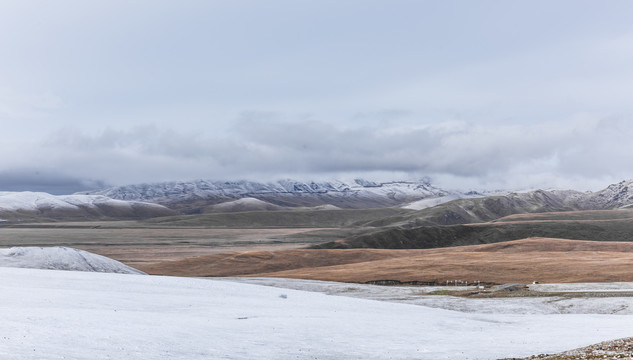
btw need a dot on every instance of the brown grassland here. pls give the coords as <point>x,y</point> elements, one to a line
<point>537,251</point>
<point>135,244</point>
<point>522,261</point>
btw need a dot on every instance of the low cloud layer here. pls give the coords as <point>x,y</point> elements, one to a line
<point>583,152</point>
<point>54,183</point>
<point>486,94</point>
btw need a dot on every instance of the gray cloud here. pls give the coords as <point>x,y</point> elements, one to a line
<point>582,151</point>
<point>473,92</point>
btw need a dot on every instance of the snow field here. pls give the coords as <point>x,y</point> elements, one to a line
<point>49,314</point>
<point>415,295</point>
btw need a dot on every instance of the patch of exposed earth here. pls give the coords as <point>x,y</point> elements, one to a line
<point>615,349</point>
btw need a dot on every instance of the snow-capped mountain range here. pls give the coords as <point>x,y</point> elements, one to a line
<point>170,198</point>
<point>204,195</point>
<point>358,193</point>
<point>173,191</point>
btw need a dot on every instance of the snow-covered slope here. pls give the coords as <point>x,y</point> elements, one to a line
<point>243,204</point>
<point>61,258</point>
<point>78,315</point>
<point>434,201</point>
<point>27,205</point>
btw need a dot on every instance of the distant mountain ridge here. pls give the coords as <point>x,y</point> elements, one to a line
<point>195,196</point>
<point>568,214</point>
<point>176,190</point>
<point>204,196</point>
<point>489,208</point>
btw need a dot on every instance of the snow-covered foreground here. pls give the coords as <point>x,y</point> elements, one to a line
<point>48,314</point>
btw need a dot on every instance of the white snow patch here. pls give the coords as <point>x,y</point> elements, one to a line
<point>326,207</point>
<point>93,201</point>
<point>430,202</point>
<point>61,258</point>
<point>245,202</point>
<point>444,198</point>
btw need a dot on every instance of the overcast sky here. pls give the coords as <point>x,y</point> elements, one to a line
<point>503,94</point>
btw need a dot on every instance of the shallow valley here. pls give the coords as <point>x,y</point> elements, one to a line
<point>578,246</point>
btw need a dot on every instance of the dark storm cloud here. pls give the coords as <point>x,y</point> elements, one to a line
<point>53,183</point>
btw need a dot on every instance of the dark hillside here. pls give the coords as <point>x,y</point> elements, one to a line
<point>611,226</point>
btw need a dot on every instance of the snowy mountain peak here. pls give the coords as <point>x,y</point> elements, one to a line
<point>615,195</point>
<point>199,195</point>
